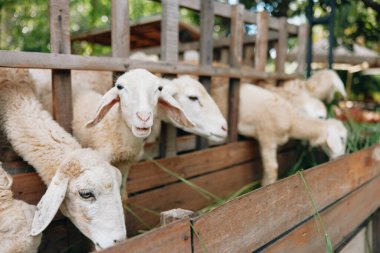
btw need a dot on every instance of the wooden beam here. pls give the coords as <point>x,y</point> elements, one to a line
<point>340,220</point>
<point>257,224</point>
<point>301,54</point>
<point>282,46</point>
<point>59,14</point>
<point>174,237</point>
<point>261,56</point>
<point>169,53</point>
<point>120,28</point>
<point>235,60</point>
<point>66,61</point>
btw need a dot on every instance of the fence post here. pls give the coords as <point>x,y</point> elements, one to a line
<point>169,53</point>
<point>120,28</point>
<point>282,46</point>
<point>59,14</point>
<point>236,56</point>
<point>206,51</point>
<point>261,55</point>
<point>302,45</point>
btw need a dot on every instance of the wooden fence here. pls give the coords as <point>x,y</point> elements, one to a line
<point>249,223</point>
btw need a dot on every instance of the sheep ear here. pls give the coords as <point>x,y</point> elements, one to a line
<point>108,100</point>
<point>49,203</point>
<point>170,108</point>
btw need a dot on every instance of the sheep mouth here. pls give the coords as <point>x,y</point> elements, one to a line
<point>141,131</point>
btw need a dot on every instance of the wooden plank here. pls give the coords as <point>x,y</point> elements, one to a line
<point>66,61</point>
<point>375,231</point>
<point>301,54</point>
<point>120,28</point>
<point>261,56</point>
<point>282,46</point>
<point>147,175</point>
<point>224,231</point>
<point>174,237</point>
<point>236,58</point>
<point>59,14</point>
<point>169,53</point>
<point>340,220</point>
<point>179,195</point>
<point>28,187</point>
<point>249,56</point>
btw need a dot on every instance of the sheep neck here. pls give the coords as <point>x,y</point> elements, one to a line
<point>32,132</point>
<point>307,128</point>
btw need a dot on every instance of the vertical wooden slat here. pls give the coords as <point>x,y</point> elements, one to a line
<point>376,232</point>
<point>120,28</point>
<point>60,43</point>
<point>282,46</point>
<point>261,56</point>
<point>169,53</point>
<point>249,55</point>
<point>301,54</point>
<point>206,51</point>
<point>236,58</point>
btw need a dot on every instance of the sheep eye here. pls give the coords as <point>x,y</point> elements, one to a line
<point>160,88</point>
<point>193,98</point>
<point>119,86</point>
<point>86,194</point>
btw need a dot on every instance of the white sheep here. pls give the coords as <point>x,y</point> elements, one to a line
<point>80,181</point>
<point>16,218</point>
<point>301,100</point>
<point>199,107</point>
<point>272,120</point>
<point>324,83</point>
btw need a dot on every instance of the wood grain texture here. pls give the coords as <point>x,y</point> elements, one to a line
<point>282,46</point>
<point>169,30</point>
<point>302,44</point>
<point>261,56</point>
<point>59,14</point>
<point>270,211</point>
<point>147,175</point>
<point>173,238</point>
<point>179,195</point>
<point>120,28</point>
<point>340,220</point>
<point>207,29</point>
<point>66,61</point>
<point>237,34</point>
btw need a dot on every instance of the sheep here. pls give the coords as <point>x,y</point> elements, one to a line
<point>80,181</point>
<point>301,100</point>
<point>324,83</point>
<point>272,120</point>
<point>199,107</point>
<point>16,218</point>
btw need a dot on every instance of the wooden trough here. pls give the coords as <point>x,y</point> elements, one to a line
<point>272,218</point>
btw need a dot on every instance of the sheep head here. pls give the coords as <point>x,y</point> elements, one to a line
<point>138,92</point>
<point>335,144</point>
<point>87,189</point>
<point>199,107</point>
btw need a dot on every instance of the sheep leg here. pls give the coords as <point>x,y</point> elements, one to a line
<point>269,158</point>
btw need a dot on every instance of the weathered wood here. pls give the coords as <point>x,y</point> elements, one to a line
<point>120,28</point>
<point>65,61</point>
<point>61,79</point>
<point>207,29</point>
<point>167,146</point>
<point>174,215</point>
<point>340,220</point>
<point>259,221</point>
<point>169,30</point>
<point>179,195</point>
<point>301,54</point>
<point>233,109</point>
<point>375,231</point>
<point>282,46</point>
<point>261,56</point>
<point>249,56</point>
<point>174,237</point>
<point>235,58</point>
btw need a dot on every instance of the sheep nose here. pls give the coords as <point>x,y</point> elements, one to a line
<point>144,116</point>
<point>224,128</point>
